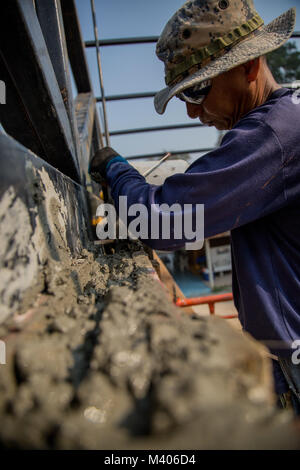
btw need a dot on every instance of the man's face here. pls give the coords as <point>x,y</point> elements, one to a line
<point>226,101</point>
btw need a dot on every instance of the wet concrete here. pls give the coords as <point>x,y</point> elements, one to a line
<point>43,216</point>
<point>106,361</point>
<point>97,354</point>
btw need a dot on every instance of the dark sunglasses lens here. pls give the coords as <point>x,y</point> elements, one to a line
<point>195,94</point>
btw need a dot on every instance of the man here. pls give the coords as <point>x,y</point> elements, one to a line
<point>214,61</point>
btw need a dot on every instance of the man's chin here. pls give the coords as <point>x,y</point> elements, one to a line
<point>221,126</point>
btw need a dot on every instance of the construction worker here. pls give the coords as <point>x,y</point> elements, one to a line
<point>213,51</point>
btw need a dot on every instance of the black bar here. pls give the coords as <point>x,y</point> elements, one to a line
<point>75,46</point>
<point>122,41</point>
<point>173,152</point>
<point>155,129</point>
<point>129,96</point>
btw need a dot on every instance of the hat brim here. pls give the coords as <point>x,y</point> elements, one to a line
<point>266,40</point>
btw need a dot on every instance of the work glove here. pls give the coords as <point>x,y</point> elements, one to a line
<point>101,162</point>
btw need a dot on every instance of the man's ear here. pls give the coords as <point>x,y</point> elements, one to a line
<point>252,68</point>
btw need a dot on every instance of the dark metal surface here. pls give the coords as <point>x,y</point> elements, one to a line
<point>51,21</point>
<point>25,54</point>
<point>14,117</point>
<point>75,46</point>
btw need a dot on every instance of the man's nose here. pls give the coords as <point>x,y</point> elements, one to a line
<point>194,110</point>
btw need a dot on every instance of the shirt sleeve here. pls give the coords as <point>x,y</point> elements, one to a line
<point>239,182</point>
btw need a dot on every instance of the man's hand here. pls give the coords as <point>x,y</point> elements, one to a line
<point>101,161</point>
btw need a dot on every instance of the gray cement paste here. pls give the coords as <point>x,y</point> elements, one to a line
<point>106,361</point>
<point>98,357</point>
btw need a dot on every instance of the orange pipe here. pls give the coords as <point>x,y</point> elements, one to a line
<point>210,300</point>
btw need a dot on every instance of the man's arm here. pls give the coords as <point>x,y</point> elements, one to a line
<point>239,182</point>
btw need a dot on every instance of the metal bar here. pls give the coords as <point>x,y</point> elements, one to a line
<point>155,129</point>
<point>123,41</point>
<point>204,300</point>
<point>100,73</point>
<point>128,96</point>
<point>78,61</point>
<point>173,152</point>
<point>75,46</point>
<point>140,40</point>
<point>148,172</point>
<point>36,83</point>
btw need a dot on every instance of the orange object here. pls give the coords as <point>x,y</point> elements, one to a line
<point>96,220</point>
<point>209,299</point>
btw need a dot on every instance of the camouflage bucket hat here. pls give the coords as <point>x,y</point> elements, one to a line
<point>205,38</point>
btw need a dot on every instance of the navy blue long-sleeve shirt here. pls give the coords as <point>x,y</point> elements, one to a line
<point>250,186</point>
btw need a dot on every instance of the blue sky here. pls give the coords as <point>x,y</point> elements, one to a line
<point>135,68</point>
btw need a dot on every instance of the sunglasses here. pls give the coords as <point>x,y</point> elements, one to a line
<point>196,94</point>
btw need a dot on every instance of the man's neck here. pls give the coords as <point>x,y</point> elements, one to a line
<point>267,91</point>
<point>265,86</point>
